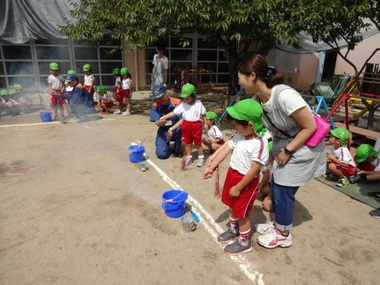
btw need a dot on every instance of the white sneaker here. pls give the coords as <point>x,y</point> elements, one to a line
<point>201,162</point>
<point>189,160</point>
<point>117,112</point>
<point>126,113</point>
<point>265,228</point>
<point>275,239</point>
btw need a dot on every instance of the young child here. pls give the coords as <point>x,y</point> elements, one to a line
<point>116,75</point>
<point>125,93</point>
<point>89,79</point>
<point>8,105</point>
<point>24,103</point>
<point>193,113</point>
<point>56,87</point>
<point>249,155</point>
<point>214,139</point>
<point>340,161</point>
<point>105,101</point>
<point>368,163</point>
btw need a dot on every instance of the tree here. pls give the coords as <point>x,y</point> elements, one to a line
<point>232,24</point>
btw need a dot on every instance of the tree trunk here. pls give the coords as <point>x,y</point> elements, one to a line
<point>233,86</point>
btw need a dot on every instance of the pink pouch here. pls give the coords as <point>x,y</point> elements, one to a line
<point>323,128</point>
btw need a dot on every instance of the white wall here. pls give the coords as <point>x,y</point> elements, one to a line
<point>359,55</point>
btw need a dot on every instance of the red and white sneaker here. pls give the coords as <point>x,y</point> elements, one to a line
<point>275,239</point>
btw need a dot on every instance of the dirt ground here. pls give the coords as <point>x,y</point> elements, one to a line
<point>75,210</point>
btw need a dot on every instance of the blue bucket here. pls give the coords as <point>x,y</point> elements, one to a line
<point>136,153</point>
<point>45,116</point>
<point>173,203</point>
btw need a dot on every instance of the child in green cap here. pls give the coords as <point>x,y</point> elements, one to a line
<point>193,113</point>
<point>368,163</point>
<point>106,102</point>
<point>214,139</point>
<point>250,153</point>
<point>340,161</point>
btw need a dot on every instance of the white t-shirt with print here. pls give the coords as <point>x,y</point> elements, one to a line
<point>214,133</point>
<point>89,80</point>
<point>126,83</point>
<point>246,151</point>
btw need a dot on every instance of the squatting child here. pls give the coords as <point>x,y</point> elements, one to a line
<point>368,163</point>
<point>249,155</point>
<point>105,102</point>
<point>340,161</point>
<point>193,113</point>
<point>214,139</point>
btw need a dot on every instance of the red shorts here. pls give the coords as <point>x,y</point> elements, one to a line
<point>125,93</point>
<point>106,105</point>
<point>55,99</point>
<point>347,171</point>
<point>241,206</point>
<point>366,166</point>
<point>89,89</point>
<point>192,132</point>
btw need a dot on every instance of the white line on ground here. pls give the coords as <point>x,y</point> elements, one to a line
<point>213,229</point>
<point>27,125</point>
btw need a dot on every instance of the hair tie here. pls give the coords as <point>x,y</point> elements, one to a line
<point>270,70</point>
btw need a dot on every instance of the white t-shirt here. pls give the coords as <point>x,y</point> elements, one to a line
<point>376,163</point>
<point>214,133</point>
<point>126,83</point>
<point>117,81</point>
<point>55,81</point>
<point>191,113</point>
<point>246,151</point>
<point>89,80</point>
<point>343,155</point>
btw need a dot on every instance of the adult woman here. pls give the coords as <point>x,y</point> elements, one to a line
<point>295,164</point>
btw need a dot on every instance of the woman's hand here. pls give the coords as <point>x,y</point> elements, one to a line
<point>282,157</point>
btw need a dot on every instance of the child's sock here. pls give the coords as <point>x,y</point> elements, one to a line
<point>234,225</point>
<point>243,237</point>
<point>201,156</point>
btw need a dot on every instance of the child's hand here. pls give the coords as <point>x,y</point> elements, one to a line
<point>234,191</point>
<point>267,204</point>
<point>207,173</point>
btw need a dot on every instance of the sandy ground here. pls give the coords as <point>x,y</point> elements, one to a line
<point>75,210</point>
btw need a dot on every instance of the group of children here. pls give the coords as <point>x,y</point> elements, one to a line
<point>340,164</point>
<point>13,102</point>
<point>106,101</point>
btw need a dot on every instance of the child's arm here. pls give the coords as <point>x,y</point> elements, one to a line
<point>168,116</point>
<point>217,159</point>
<point>251,174</point>
<point>171,129</point>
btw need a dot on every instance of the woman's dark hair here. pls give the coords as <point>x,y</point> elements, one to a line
<point>161,47</point>
<point>256,63</point>
<point>240,122</point>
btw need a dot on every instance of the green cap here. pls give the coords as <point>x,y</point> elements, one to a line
<point>71,72</point>
<point>54,66</point>
<point>342,134</point>
<point>17,86</point>
<point>116,71</point>
<point>251,111</point>
<point>86,67</point>
<point>4,92</point>
<point>210,115</point>
<point>101,88</point>
<point>12,91</point>
<point>187,90</point>
<point>364,151</point>
<point>124,71</point>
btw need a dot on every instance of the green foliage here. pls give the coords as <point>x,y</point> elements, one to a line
<point>228,23</point>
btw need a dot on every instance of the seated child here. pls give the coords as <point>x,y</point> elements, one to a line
<point>105,100</point>
<point>214,139</point>
<point>23,101</point>
<point>340,161</point>
<point>368,163</point>
<point>8,105</point>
